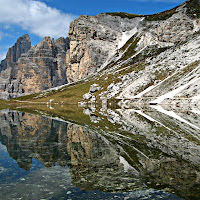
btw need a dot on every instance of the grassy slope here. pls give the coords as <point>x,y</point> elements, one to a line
<point>4,104</point>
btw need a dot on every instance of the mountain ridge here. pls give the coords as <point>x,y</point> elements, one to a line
<point>131,53</point>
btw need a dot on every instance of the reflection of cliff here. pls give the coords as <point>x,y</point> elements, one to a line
<point>96,163</point>
<point>179,175</point>
<point>92,160</point>
<point>175,163</point>
<point>30,136</point>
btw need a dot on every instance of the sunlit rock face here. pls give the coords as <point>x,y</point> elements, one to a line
<point>161,45</point>
<point>29,69</point>
<point>43,66</point>
<point>22,45</point>
<point>93,40</point>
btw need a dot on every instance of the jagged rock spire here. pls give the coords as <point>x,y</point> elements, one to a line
<point>22,45</point>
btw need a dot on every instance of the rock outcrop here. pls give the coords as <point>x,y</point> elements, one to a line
<point>159,58</point>
<point>44,66</point>
<point>9,85</point>
<point>22,45</point>
<point>29,69</point>
<point>93,40</point>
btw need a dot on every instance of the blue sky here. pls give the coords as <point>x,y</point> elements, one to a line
<point>41,18</point>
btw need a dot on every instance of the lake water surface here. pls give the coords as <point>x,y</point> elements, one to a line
<point>122,154</point>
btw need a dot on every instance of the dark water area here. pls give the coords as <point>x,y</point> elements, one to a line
<point>151,156</point>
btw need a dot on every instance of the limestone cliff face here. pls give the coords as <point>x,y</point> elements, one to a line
<point>160,54</point>
<point>43,66</point>
<point>9,85</point>
<point>93,40</point>
<point>29,69</point>
<point>22,45</point>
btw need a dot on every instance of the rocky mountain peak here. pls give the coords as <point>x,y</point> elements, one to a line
<point>45,48</point>
<point>29,69</point>
<point>63,42</point>
<point>43,66</point>
<point>22,45</point>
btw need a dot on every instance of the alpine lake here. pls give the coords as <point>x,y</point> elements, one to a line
<point>67,152</point>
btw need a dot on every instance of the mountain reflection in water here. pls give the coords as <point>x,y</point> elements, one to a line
<point>60,160</point>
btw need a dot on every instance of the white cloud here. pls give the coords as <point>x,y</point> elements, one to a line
<point>6,26</point>
<point>2,34</point>
<point>2,56</point>
<point>36,17</point>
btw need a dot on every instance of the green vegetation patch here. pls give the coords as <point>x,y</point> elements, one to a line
<point>161,16</point>
<point>193,8</point>
<point>124,15</point>
<point>70,94</point>
<point>4,104</point>
<point>155,17</point>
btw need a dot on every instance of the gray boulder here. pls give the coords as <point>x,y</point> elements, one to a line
<point>87,96</point>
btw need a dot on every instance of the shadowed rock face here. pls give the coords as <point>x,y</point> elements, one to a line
<point>9,85</point>
<point>22,45</point>
<point>96,163</point>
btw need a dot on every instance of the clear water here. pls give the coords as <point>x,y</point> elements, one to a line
<point>46,158</point>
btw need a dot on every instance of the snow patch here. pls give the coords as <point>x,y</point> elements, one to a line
<point>144,115</point>
<point>126,36</point>
<point>196,97</point>
<point>174,92</point>
<point>196,111</point>
<point>196,27</point>
<point>58,119</point>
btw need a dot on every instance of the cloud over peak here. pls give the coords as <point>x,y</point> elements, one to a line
<point>36,17</point>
